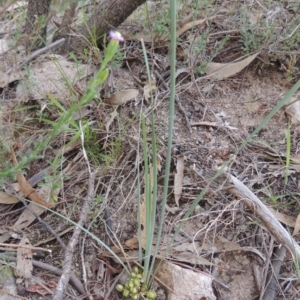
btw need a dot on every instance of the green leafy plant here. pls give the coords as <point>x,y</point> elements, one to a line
<point>6,266</point>
<point>65,119</point>
<point>289,39</point>
<point>274,198</point>
<point>95,211</point>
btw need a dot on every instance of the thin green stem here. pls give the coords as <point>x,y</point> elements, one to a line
<point>171,117</point>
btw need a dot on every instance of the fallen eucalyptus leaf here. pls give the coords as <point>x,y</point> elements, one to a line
<point>178,180</point>
<point>220,71</point>
<point>121,97</point>
<point>7,199</point>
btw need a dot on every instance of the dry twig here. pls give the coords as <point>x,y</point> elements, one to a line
<point>270,221</point>
<point>64,279</point>
<point>34,55</point>
<point>75,282</point>
<point>237,188</point>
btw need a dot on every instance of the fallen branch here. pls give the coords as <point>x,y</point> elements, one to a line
<point>213,124</point>
<point>234,186</point>
<point>264,214</point>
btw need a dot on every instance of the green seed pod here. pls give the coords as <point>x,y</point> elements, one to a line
<point>137,282</point>
<point>135,297</point>
<point>134,291</point>
<point>126,293</point>
<point>119,287</point>
<point>144,288</point>
<point>151,294</point>
<point>130,284</point>
<point>136,270</point>
<point>139,276</point>
<point>133,275</point>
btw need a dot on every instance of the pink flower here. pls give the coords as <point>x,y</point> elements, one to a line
<point>117,36</point>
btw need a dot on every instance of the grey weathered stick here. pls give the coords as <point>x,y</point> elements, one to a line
<point>264,214</point>
<point>234,186</point>
<point>64,279</point>
<point>34,55</point>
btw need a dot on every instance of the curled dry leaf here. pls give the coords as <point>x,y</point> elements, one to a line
<point>47,288</point>
<point>190,25</point>
<point>178,181</point>
<point>7,199</point>
<point>26,218</point>
<point>285,219</point>
<point>113,115</point>
<point>26,189</point>
<point>220,71</point>
<point>121,97</point>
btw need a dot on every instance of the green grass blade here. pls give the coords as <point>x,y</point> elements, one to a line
<point>152,197</point>
<point>171,118</point>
